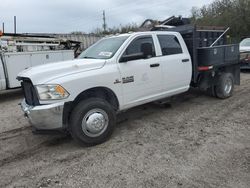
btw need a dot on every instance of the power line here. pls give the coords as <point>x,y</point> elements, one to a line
<point>104,21</point>
<point>113,11</point>
<point>116,10</point>
<point>15,24</point>
<point>3,27</point>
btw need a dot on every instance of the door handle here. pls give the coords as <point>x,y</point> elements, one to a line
<point>154,65</point>
<point>185,60</point>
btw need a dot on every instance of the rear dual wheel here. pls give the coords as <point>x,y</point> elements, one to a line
<point>225,86</point>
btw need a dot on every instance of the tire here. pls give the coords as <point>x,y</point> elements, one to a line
<point>92,121</point>
<point>225,86</point>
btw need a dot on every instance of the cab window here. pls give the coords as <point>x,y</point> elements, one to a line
<point>170,45</point>
<point>139,45</point>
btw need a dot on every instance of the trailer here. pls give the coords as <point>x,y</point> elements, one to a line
<point>19,52</point>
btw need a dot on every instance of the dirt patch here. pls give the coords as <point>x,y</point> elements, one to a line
<point>195,141</point>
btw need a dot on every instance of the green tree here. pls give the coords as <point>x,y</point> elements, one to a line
<point>228,13</point>
<point>115,30</point>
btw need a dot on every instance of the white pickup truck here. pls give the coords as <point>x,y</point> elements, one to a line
<point>119,72</point>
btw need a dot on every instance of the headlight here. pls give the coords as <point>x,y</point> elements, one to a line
<point>51,92</point>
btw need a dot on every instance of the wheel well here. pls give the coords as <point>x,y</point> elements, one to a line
<point>206,80</point>
<point>234,70</point>
<point>99,92</point>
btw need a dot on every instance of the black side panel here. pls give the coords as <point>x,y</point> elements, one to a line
<point>30,93</point>
<point>68,106</point>
<point>218,55</point>
<point>232,52</point>
<point>237,74</point>
<point>211,56</point>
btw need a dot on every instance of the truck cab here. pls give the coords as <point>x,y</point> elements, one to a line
<point>120,71</point>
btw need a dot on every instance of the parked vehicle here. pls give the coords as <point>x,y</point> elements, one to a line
<point>20,52</point>
<point>83,96</point>
<point>245,53</point>
<point>245,45</point>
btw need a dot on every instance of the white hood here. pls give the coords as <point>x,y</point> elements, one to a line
<point>44,73</point>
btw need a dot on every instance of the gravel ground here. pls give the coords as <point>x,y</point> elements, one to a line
<point>195,141</point>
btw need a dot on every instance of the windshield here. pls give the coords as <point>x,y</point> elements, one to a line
<point>245,42</point>
<point>104,49</point>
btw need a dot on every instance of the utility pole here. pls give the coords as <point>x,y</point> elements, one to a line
<point>104,21</point>
<point>3,28</point>
<point>15,24</point>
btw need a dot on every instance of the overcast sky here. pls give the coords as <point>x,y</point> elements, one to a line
<point>62,16</point>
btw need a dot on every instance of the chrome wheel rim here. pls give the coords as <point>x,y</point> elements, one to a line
<point>228,86</point>
<point>95,122</point>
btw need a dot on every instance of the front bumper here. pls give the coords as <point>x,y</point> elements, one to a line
<point>44,117</point>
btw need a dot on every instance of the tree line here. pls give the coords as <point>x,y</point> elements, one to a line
<point>228,13</point>
<point>114,30</point>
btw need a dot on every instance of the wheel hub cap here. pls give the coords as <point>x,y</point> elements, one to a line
<point>95,122</point>
<point>228,86</point>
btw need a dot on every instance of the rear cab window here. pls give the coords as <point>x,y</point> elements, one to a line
<point>169,44</point>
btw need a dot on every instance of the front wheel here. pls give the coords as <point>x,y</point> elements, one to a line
<point>92,121</point>
<point>225,86</point>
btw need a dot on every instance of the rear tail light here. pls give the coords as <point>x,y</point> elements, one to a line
<point>205,68</point>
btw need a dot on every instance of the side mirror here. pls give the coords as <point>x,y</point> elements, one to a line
<point>131,57</point>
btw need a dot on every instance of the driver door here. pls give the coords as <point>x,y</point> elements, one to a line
<point>141,76</point>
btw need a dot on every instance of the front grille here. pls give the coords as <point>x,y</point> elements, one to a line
<point>30,93</point>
